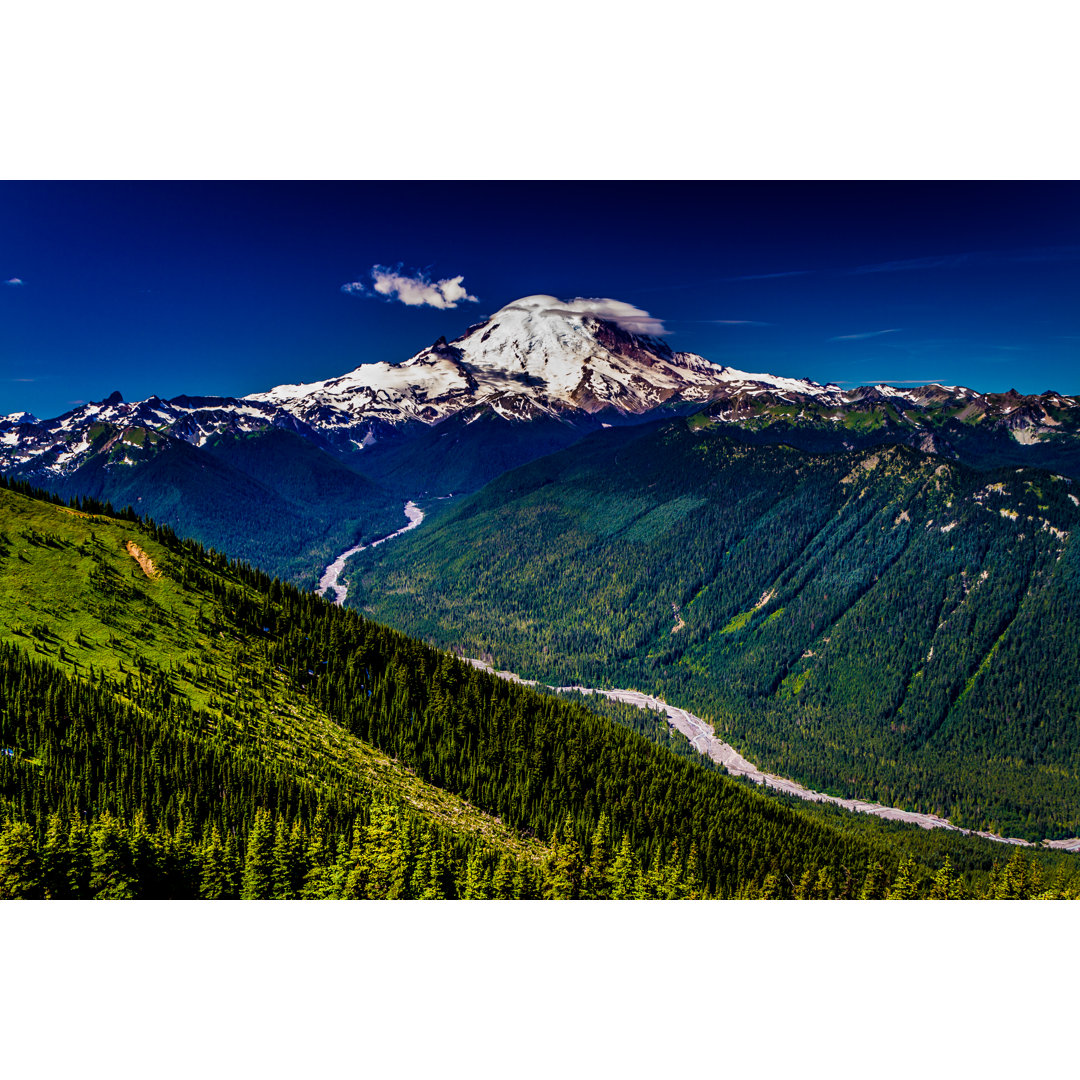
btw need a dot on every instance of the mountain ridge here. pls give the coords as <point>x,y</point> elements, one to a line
<point>536,357</point>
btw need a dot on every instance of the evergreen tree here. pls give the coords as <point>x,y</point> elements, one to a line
<point>695,884</point>
<point>287,856</point>
<point>825,885</point>
<point>20,865</point>
<point>597,884</point>
<point>502,884</point>
<point>431,870</point>
<point>805,889</point>
<point>258,881</point>
<point>213,877</point>
<point>626,872</point>
<point>477,877</point>
<point>905,887</point>
<point>79,865</point>
<point>947,886</point>
<point>112,876</point>
<point>1013,883</point>
<point>56,860</point>
<point>875,884</point>
<point>144,861</point>
<point>566,868</point>
<point>231,868</point>
<point>527,881</point>
<point>318,882</point>
<point>184,853</point>
<point>770,887</point>
<point>673,884</point>
<point>355,868</point>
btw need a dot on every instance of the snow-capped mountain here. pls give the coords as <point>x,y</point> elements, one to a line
<point>121,430</point>
<point>578,362</point>
<point>535,356</point>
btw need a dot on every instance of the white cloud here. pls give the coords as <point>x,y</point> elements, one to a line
<point>415,290</point>
<point>14,281</point>
<point>861,337</point>
<point>623,315</point>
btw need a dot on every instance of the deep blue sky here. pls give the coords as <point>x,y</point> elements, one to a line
<point>229,288</point>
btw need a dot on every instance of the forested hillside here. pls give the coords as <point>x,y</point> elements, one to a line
<point>268,497</point>
<point>173,724</point>
<point>875,623</point>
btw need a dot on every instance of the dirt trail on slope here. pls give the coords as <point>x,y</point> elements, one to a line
<point>704,740</point>
<point>144,560</point>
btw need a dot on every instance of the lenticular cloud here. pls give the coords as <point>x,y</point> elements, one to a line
<point>413,290</point>
<point>623,315</point>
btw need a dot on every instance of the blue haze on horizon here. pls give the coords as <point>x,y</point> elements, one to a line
<point>233,287</point>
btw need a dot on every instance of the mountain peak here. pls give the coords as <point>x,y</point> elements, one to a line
<point>536,355</point>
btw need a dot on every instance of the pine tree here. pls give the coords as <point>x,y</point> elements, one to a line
<point>825,885</point>
<point>502,884</point>
<point>597,884</point>
<point>875,884</point>
<point>565,868</point>
<point>213,879</point>
<point>651,880</point>
<point>905,887</point>
<point>287,870</point>
<point>56,860</point>
<point>695,884</point>
<point>231,868</point>
<point>770,887</point>
<point>673,885</point>
<point>401,859</point>
<point>1013,883</point>
<point>947,886</point>
<point>430,874</point>
<point>318,881</point>
<point>805,889</point>
<point>527,881</point>
<point>144,863</point>
<point>477,879</point>
<point>185,855</point>
<point>626,872</point>
<point>20,865</point>
<point>354,867</point>
<point>258,881</point>
<point>79,866</point>
<point>112,876</point>
<point>382,852</point>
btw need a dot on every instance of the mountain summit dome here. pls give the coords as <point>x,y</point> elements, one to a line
<point>536,355</point>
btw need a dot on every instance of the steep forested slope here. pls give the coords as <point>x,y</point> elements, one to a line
<point>173,724</point>
<point>880,623</point>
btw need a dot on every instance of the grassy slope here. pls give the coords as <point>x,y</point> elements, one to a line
<point>71,593</point>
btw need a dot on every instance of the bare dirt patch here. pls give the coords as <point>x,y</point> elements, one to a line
<point>144,560</point>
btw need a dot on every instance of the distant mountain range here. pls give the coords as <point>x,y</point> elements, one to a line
<point>284,477</point>
<point>540,358</point>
